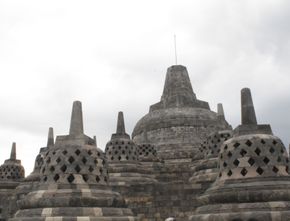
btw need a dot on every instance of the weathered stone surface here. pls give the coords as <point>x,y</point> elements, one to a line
<point>11,174</point>
<point>184,161</point>
<point>74,182</point>
<point>253,179</point>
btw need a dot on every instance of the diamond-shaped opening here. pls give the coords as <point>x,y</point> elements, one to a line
<point>70,178</point>
<point>259,170</point>
<point>120,147</point>
<point>91,169</point>
<point>230,173</point>
<point>287,160</point>
<point>56,177</point>
<point>271,150</point>
<point>98,179</point>
<point>85,177</point>
<point>116,152</point>
<point>258,151</point>
<point>215,146</point>
<point>282,151</point>
<point>279,159</point>
<point>84,160</point>
<point>226,147</point>
<point>236,162</point>
<point>96,161</point>
<point>244,171</point>
<point>103,162</point>
<point>48,160</point>
<point>275,142</point>
<point>220,174</point>
<point>266,160</point>
<point>243,152</point>
<point>225,164</point>
<point>53,153</point>
<point>275,169</point>
<point>249,143</point>
<point>101,170</point>
<point>127,158</point>
<point>58,160</point>
<point>263,142</point>
<point>230,154</point>
<point>119,157</point>
<point>77,168</point>
<point>45,179</point>
<point>63,168</point>
<point>77,152</point>
<point>90,152</point>
<point>64,152</point>
<point>123,152</point>
<point>112,158</point>
<point>71,159</point>
<point>105,179</point>
<point>237,144</point>
<point>52,169</point>
<point>251,161</point>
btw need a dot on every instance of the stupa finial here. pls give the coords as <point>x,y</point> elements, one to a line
<point>76,124</point>
<point>121,124</point>
<point>50,137</point>
<point>95,139</point>
<point>220,111</point>
<point>248,110</point>
<point>13,152</point>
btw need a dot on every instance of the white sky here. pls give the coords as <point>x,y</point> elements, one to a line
<point>113,55</point>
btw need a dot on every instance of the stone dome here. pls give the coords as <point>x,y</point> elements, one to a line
<point>253,158</point>
<point>12,170</point>
<point>207,169</point>
<point>74,182</point>
<point>121,148</point>
<point>179,118</point>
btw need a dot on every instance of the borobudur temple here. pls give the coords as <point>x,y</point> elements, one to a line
<point>183,161</point>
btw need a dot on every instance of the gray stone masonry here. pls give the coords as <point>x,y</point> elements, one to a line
<point>253,181</point>
<point>74,182</point>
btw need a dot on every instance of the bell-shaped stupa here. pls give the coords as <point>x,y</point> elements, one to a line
<point>74,182</point>
<point>253,181</point>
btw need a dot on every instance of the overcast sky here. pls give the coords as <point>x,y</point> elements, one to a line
<point>113,55</point>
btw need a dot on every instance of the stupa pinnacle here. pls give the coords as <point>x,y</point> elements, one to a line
<point>76,124</point>
<point>248,110</point>
<point>50,137</point>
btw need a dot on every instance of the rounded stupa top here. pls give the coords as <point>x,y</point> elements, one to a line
<point>74,159</point>
<point>35,175</point>
<point>253,151</point>
<point>211,147</point>
<point>12,170</point>
<point>179,117</point>
<point>121,148</point>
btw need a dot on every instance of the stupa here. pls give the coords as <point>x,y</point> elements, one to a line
<point>253,182</point>
<point>179,122</point>
<point>11,174</point>
<point>74,182</point>
<point>206,170</point>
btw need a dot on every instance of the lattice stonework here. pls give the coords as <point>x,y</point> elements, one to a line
<point>147,151</point>
<point>11,172</point>
<point>214,142</point>
<point>253,156</point>
<point>75,165</point>
<point>121,150</point>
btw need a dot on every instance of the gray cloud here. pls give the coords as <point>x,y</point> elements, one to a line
<point>113,56</point>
